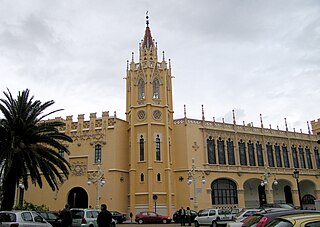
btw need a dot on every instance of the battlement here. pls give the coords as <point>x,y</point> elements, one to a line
<point>315,126</point>
<point>94,122</point>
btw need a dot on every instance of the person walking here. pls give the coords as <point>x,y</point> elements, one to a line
<point>188,214</point>
<point>66,216</point>
<point>104,218</point>
<point>182,213</point>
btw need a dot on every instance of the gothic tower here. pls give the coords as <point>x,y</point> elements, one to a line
<point>150,116</point>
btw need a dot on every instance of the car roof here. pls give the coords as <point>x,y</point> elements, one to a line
<point>295,217</point>
<point>285,213</point>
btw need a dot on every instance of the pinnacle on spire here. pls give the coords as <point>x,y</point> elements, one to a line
<point>147,41</point>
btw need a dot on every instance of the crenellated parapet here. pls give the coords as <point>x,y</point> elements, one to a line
<point>316,127</point>
<point>92,129</point>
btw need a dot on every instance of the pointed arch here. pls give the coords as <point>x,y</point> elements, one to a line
<point>156,88</point>
<point>141,89</point>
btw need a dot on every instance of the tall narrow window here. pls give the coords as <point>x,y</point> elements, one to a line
<point>211,151</point>
<point>302,159</point>
<point>252,159</point>
<point>141,141</point>
<point>221,151</point>
<point>158,158</point>
<point>317,157</point>
<point>97,154</point>
<point>230,151</point>
<point>158,177</point>
<point>285,156</point>
<point>259,154</point>
<point>295,156</point>
<point>270,155</point>
<point>141,177</point>
<point>242,153</point>
<point>309,160</point>
<point>141,92</point>
<point>278,155</point>
<point>156,89</point>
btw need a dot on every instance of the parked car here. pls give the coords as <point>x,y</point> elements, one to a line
<point>22,218</point>
<point>151,217</point>
<point>263,218</point>
<point>296,220</point>
<point>86,218</point>
<point>277,205</point>
<point>119,217</point>
<point>52,217</point>
<point>177,218</point>
<point>210,217</point>
<point>238,218</point>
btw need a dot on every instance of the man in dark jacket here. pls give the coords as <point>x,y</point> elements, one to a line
<point>104,217</point>
<point>66,216</point>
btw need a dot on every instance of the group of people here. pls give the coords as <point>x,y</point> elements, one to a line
<point>185,216</point>
<point>104,218</point>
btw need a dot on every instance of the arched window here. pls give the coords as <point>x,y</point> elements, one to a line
<point>301,156</point>
<point>285,156</point>
<point>270,155</point>
<point>259,154</point>
<point>156,89</point>
<point>252,159</point>
<point>230,151</point>
<point>317,157</point>
<point>141,142</point>
<point>141,177</point>
<point>295,157</point>
<point>141,91</point>
<point>224,191</point>
<point>309,160</point>
<point>221,151</point>
<point>97,154</point>
<point>158,154</point>
<point>158,177</point>
<point>278,155</point>
<point>242,153</point>
<point>211,151</point>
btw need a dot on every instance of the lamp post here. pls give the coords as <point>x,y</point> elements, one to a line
<point>265,182</point>
<point>296,176</point>
<point>97,178</point>
<point>193,179</point>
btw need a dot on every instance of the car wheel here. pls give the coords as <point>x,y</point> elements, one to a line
<point>164,221</point>
<point>140,221</point>
<point>196,224</point>
<point>214,224</point>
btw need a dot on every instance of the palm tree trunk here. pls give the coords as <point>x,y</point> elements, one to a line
<point>9,191</point>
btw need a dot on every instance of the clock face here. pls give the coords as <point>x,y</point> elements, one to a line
<point>141,115</point>
<point>157,114</point>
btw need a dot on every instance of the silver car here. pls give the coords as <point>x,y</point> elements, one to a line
<point>22,218</point>
<point>86,218</point>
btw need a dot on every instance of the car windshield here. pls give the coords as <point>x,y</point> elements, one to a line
<point>280,223</point>
<point>251,220</point>
<point>77,214</point>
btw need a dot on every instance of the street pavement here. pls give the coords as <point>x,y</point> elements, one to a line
<point>150,225</point>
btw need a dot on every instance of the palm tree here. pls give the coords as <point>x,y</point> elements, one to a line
<point>29,146</point>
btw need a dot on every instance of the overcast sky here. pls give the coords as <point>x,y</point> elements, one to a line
<point>251,56</point>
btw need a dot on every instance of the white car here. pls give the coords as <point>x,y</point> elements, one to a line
<point>241,216</point>
<point>211,217</point>
<point>22,218</point>
<point>86,218</point>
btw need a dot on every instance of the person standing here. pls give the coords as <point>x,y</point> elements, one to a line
<point>104,218</point>
<point>182,213</point>
<point>188,214</point>
<point>66,216</point>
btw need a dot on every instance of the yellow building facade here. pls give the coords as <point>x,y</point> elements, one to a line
<point>152,161</point>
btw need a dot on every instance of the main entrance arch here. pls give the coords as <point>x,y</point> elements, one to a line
<point>78,198</point>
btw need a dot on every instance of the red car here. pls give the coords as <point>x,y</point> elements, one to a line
<point>151,217</point>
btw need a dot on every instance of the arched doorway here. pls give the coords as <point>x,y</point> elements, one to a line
<point>224,192</point>
<point>78,198</point>
<point>262,195</point>
<point>308,202</point>
<point>288,194</point>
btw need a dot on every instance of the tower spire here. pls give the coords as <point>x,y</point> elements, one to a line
<point>147,41</point>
